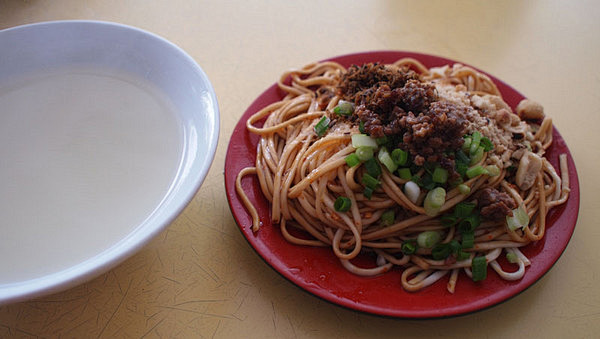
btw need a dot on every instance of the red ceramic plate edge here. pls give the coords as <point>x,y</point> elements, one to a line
<point>318,272</point>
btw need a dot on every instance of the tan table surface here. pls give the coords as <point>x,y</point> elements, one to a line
<point>200,278</point>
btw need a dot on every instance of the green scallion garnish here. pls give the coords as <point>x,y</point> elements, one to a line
<point>363,140</point>
<point>468,240</point>
<point>368,192</point>
<point>455,246</point>
<point>464,189</point>
<point>385,158</point>
<point>370,181</point>
<point>479,268</point>
<point>388,217</point>
<point>469,224</point>
<point>364,153</point>
<point>475,140</point>
<point>441,251</point>
<point>400,156</point>
<point>464,209</point>
<point>342,204</point>
<point>519,219</point>
<point>373,168</point>
<point>361,127</point>
<point>462,157</point>
<point>461,255</point>
<point>512,257</point>
<point>492,170</point>
<point>434,201</point>
<point>409,247</point>
<point>439,175</point>
<point>477,156</point>
<point>344,108</point>
<point>475,171</point>
<point>467,144</point>
<point>428,239</point>
<point>404,173</point>
<point>352,160</point>
<point>486,144</point>
<point>322,126</point>
<point>382,140</point>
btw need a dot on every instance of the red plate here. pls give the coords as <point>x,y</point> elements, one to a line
<point>319,272</point>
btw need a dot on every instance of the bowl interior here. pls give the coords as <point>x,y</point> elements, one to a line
<point>44,47</point>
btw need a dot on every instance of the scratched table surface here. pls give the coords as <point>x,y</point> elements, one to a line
<point>200,278</point>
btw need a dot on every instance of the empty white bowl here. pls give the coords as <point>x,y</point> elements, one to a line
<point>106,134</point>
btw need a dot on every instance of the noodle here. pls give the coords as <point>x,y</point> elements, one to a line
<point>303,173</point>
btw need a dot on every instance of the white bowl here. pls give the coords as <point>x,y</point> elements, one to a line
<point>46,257</point>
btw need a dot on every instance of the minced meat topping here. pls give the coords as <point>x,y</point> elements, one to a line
<point>495,204</point>
<point>393,102</point>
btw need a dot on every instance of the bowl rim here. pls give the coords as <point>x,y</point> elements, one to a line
<point>139,236</point>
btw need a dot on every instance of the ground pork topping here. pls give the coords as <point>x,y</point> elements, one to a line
<point>494,204</point>
<point>438,129</point>
<point>360,78</point>
<point>393,102</point>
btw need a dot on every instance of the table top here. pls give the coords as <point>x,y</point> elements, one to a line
<point>200,278</point>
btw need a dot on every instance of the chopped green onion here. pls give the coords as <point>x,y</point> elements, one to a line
<point>479,268</point>
<point>429,166</point>
<point>455,246</point>
<point>409,247</point>
<point>475,171</point>
<point>361,127</point>
<point>428,239</point>
<point>381,141</point>
<point>461,255</point>
<point>469,224</point>
<point>373,168</point>
<point>487,144</point>
<point>322,126</point>
<point>439,175</point>
<point>468,240</point>
<point>475,140</point>
<point>404,173</point>
<point>467,144</point>
<point>462,157</point>
<point>512,257</point>
<point>519,219</point>
<point>434,201</point>
<point>461,168</point>
<point>492,170</point>
<point>385,158</point>
<point>388,217</point>
<point>369,181</point>
<point>477,156</point>
<point>360,140</point>
<point>344,108</point>
<point>364,153</point>
<point>464,209</point>
<point>464,189</point>
<point>426,182</point>
<point>368,192</point>
<point>400,156</point>
<point>352,160</point>
<point>342,204</point>
<point>441,251</point>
